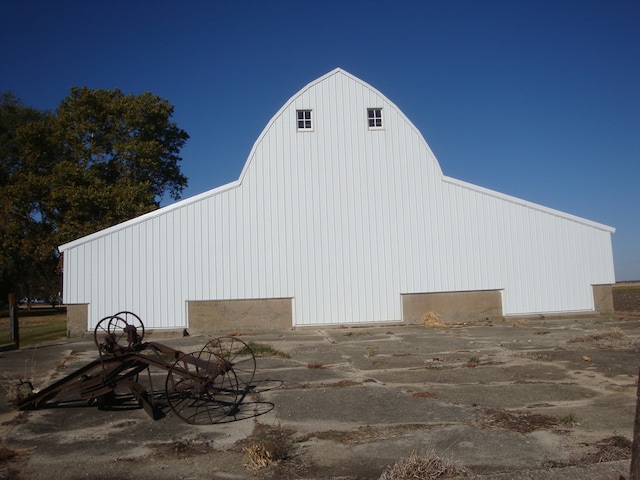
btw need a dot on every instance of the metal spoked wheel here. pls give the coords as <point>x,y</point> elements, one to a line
<point>123,330</point>
<point>239,354</point>
<point>202,388</point>
<point>132,319</point>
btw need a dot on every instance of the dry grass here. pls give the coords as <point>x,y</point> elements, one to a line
<point>568,420</point>
<point>268,446</point>
<point>19,387</point>
<point>306,386</point>
<point>8,454</point>
<point>424,395</point>
<point>614,338</point>
<point>8,459</point>
<point>180,449</point>
<point>610,449</point>
<point>516,421</point>
<point>340,384</point>
<point>432,319</point>
<point>261,350</point>
<point>369,434</point>
<point>427,467</point>
<point>612,335</point>
<point>17,390</point>
<point>372,351</point>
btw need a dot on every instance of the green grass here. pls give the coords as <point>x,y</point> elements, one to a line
<point>372,351</point>
<point>543,357</point>
<point>568,420</point>
<point>36,326</point>
<point>261,350</point>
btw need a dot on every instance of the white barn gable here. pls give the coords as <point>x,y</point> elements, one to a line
<point>342,219</point>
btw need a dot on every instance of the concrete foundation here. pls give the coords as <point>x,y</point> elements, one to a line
<point>77,320</point>
<point>221,317</point>
<point>451,307</point>
<point>603,299</point>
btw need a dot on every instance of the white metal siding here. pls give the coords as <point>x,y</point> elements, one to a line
<point>343,220</point>
<point>545,261</point>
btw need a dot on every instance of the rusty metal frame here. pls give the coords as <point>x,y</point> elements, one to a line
<point>200,387</point>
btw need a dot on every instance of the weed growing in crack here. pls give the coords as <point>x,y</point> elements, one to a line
<point>372,351</point>
<point>568,420</point>
<point>543,357</point>
<point>261,350</point>
<point>269,446</point>
<point>428,466</point>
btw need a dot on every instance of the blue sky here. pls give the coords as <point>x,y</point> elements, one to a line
<point>536,99</point>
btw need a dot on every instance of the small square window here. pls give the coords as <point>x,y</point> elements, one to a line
<point>374,117</point>
<point>304,120</point>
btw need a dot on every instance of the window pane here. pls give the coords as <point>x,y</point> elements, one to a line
<point>304,121</point>
<point>375,117</point>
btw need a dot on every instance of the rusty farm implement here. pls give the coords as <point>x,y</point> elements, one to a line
<point>202,387</point>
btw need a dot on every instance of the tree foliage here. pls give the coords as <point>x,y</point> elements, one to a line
<point>102,157</point>
<point>23,259</point>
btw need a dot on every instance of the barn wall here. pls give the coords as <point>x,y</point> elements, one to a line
<point>542,259</point>
<point>345,221</point>
<point>344,210</point>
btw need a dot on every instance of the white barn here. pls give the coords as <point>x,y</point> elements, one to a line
<point>341,215</point>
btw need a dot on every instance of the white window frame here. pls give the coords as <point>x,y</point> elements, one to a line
<point>374,115</point>
<point>304,120</point>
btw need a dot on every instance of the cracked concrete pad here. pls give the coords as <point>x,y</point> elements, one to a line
<point>359,399</point>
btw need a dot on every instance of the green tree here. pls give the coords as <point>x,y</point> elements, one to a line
<point>24,263</point>
<point>102,157</point>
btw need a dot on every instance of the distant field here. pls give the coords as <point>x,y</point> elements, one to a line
<point>626,297</point>
<point>41,324</point>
